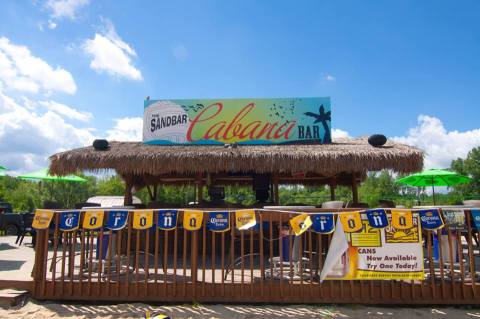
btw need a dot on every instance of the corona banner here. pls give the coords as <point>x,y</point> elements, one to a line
<point>218,221</point>
<point>376,253</point>
<point>192,219</point>
<point>351,221</point>
<point>300,224</point>
<point>142,219</point>
<point>167,219</point>
<point>245,219</point>
<point>243,121</point>
<point>117,219</point>
<point>69,220</point>
<point>377,218</point>
<point>323,223</point>
<point>431,219</point>
<point>42,219</point>
<point>401,219</point>
<point>93,219</point>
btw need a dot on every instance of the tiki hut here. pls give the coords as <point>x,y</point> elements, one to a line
<point>343,162</point>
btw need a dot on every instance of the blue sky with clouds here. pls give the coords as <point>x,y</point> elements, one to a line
<point>73,70</point>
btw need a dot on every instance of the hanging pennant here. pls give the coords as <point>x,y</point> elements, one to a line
<point>377,218</point>
<point>300,223</point>
<point>476,218</point>
<point>69,220</point>
<point>192,219</point>
<point>167,219</point>
<point>245,219</point>
<point>117,219</point>
<point>142,219</point>
<point>42,219</point>
<point>323,223</point>
<point>454,218</point>
<point>218,221</point>
<point>93,219</point>
<point>351,221</point>
<point>431,219</point>
<point>402,219</point>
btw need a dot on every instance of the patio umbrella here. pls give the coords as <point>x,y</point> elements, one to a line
<point>434,177</point>
<point>43,175</point>
<point>3,168</point>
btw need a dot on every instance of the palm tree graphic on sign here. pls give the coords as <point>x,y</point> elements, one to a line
<point>322,117</point>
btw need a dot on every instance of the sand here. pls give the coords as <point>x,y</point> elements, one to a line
<point>37,310</point>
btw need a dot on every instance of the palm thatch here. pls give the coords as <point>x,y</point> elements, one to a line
<point>342,156</point>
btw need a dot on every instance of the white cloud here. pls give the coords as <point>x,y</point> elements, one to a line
<point>330,78</point>
<point>338,133</point>
<point>28,138</point>
<point>441,146</point>
<point>126,129</point>
<point>180,52</point>
<point>67,111</point>
<point>111,54</point>
<point>51,24</point>
<point>65,8</point>
<point>21,71</point>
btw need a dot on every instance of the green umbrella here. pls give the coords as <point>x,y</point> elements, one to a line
<point>434,177</point>
<point>3,168</point>
<point>44,176</point>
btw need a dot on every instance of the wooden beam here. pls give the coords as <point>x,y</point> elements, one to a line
<point>275,191</point>
<point>333,185</point>
<point>354,188</point>
<point>128,197</point>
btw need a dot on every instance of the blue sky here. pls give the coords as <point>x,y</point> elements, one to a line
<point>408,69</point>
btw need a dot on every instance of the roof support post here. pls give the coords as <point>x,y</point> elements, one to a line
<point>354,188</point>
<point>199,188</point>
<point>333,185</point>
<point>275,191</point>
<point>128,197</point>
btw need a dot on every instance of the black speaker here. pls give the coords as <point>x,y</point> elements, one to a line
<point>377,140</point>
<point>101,145</point>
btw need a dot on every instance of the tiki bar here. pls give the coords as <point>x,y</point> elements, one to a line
<point>211,250</point>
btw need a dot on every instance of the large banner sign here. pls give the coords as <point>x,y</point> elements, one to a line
<point>244,121</point>
<point>376,253</point>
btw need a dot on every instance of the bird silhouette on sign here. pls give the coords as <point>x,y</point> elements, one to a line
<point>322,117</point>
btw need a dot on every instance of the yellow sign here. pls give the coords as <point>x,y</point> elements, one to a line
<point>143,219</point>
<point>351,221</point>
<point>192,219</point>
<point>93,219</point>
<point>300,223</point>
<point>367,237</point>
<point>42,219</point>
<point>244,219</point>
<point>402,219</point>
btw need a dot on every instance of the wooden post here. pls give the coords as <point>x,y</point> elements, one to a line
<point>128,197</point>
<point>354,188</point>
<point>333,185</point>
<point>275,191</point>
<point>199,185</point>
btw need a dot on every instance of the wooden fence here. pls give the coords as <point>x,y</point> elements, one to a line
<point>253,266</point>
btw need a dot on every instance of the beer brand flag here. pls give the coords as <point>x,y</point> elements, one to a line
<point>42,219</point>
<point>300,223</point>
<point>245,219</point>
<point>377,218</point>
<point>192,219</point>
<point>218,221</point>
<point>351,221</point>
<point>117,219</point>
<point>431,219</point>
<point>323,223</point>
<point>454,218</point>
<point>402,219</point>
<point>167,219</point>
<point>142,219</point>
<point>93,219</point>
<point>69,220</point>
<point>476,217</point>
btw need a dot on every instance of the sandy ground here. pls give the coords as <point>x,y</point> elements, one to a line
<point>34,309</point>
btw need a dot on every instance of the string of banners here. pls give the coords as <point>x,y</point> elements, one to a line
<point>219,221</point>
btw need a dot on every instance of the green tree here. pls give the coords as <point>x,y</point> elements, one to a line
<point>469,166</point>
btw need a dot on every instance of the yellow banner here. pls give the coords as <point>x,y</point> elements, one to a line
<point>402,219</point>
<point>42,219</point>
<point>93,219</point>
<point>351,221</point>
<point>245,219</point>
<point>192,219</point>
<point>300,223</point>
<point>143,219</point>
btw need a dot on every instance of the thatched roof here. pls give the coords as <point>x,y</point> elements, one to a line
<point>343,155</point>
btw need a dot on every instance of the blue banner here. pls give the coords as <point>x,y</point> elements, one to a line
<point>323,223</point>
<point>431,219</point>
<point>476,218</point>
<point>117,219</point>
<point>377,218</point>
<point>167,219</point>
<point>69,220</point>
<point>218,221</point>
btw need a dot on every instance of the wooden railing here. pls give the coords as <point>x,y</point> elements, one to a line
<point>254,265</point>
